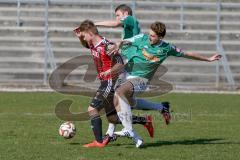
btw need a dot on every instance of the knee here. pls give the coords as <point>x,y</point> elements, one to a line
<point>90,109</point>
<point>92,112</point>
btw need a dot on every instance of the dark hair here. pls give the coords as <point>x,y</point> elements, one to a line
<point>159,28</point>
<point>88,25</point>
<point>124,8</point>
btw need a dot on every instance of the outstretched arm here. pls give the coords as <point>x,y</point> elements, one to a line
<point>115,48</point>
<point>113,23</point>
<point>195,56</point>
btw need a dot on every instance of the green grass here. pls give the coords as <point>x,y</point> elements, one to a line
<point>204,127</point>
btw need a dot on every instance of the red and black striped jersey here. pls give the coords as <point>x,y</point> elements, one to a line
<point>102,60</point>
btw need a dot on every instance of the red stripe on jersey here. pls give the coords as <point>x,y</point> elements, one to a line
<point>102,61</point>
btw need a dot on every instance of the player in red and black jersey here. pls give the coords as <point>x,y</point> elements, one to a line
<point>104,62</point>
<point>108,68</point>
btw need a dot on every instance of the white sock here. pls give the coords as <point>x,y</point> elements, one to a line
<point>143,104</point>
<point>125,114</point>
<point>111,128</point>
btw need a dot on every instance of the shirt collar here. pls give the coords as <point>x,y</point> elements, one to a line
<point>103,39</point>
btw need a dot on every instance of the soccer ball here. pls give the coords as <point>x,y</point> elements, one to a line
<point>67,130</point>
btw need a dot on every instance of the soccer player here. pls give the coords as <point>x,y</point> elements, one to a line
<point>124,19</point>
<point>145,53</point>
<point>108,70</point>
<point>131,27</point>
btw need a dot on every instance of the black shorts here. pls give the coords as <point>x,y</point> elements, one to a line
<point>104,97</point>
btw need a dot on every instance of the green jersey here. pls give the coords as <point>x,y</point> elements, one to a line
<point>143,59</point>
<point>130,27</point>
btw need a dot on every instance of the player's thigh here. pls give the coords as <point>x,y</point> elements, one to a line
<point>102,95</point>
<point>110,110</point>
<point>96,105</point>
<point>125,92</point>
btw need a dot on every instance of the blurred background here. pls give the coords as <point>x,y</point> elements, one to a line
<point>36,36</point>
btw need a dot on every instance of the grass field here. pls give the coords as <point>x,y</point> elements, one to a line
<point>204,127</point>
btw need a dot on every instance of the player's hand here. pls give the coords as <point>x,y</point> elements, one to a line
<point>106,73</point>
<point>113,49</point>
<point>215,57</point>
<point>77,32</point>
<point>80,35</point>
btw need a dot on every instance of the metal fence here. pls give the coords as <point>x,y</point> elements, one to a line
<point>49,56</point>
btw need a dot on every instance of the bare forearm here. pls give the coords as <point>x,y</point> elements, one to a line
<point>195,56</point>
<point>117,68</point>
<point>122,43</point>
<point>108,23</point>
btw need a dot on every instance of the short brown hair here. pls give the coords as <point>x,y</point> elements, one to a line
<point>159,28</point>
<point>124,8</point>
<point>88,26</point>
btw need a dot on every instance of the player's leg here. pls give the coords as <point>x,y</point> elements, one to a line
<point>142,104</point>
<point>163,108</point>
<point>96,105</point>
<point>110,111</point>
<point>146,122</point>
<point>122,102</point>
<point>96,125</point>
<point>113,118</point>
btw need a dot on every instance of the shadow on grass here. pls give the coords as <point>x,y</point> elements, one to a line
<point>200,141</point>
<point>74,143</point>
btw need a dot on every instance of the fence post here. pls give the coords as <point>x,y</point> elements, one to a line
<point>218,41</point>
<point>225,64</point>
<point>181,16</point>
<point>18,12</point>
<point>133,7</point>
<point>45,76</point>
<point>111,9</point>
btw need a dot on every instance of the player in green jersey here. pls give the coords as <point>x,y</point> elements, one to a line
<point>124,19</point>
<point>144,54</point>
<point>130,25</point>
<point>131,28</point>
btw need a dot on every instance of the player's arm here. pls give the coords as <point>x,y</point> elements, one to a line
<point>117,68</point>
<point>195,56</point>
<point>177,52</point>
<point>112,23</point>
<point>115,48</point>
<point>130,41</point>
<point>119,65</point>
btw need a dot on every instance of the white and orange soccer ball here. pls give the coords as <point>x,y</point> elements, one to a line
<point>67,130</point>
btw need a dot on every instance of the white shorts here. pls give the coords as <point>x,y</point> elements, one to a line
<point>140,84</point>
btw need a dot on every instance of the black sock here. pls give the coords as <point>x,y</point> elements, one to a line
<point>138,120</point>
<point>96,123</point>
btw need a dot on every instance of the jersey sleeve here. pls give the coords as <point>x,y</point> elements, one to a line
<point>136,40</point>
<point>127,22</point>
<point>175,51</point>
